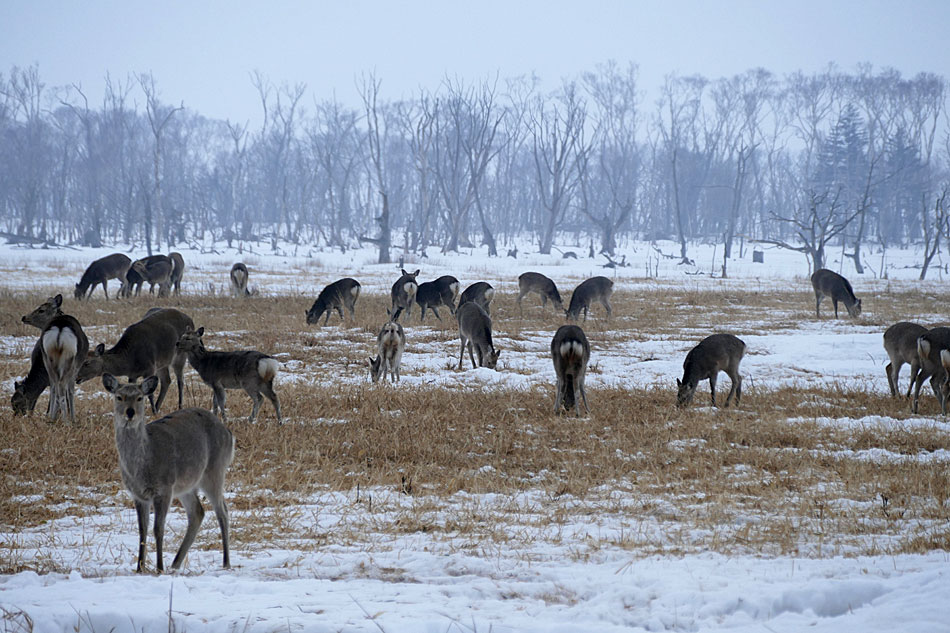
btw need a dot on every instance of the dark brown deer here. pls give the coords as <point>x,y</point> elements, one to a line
<point>900,343</point>
<point>239,280</point>
<point>480,293</point>
<point>114,266</point>
<point>570,352</point>
<point>828,283</point>
<point>171,458</point>
<point>178,271</point>
<point>587,292</point>
<point>404,294</point>
<point>441,292</point>
<point>929,346</point>
<point>64,346</point>
<point>336,296</point>
<point>475,332</point>
<point>716,353</point>
<point>390,344</point>
<point>249,370</point>
<point>146,348</point>
<point>542,285</point>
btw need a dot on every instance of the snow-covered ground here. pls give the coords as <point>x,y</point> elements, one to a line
<point>582,574</point>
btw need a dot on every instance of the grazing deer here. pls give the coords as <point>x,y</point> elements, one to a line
<point>588,291</point>
<point>178,271</point>
<point>570,352</point>
<point>536,282</point>
<point>390,344</point>
<point>114,266</point>
<point>336,296</point>
<point>900,343</point>
<point>156,270</point>
<point>249,370</point>
<point>239,280</point>
<point>475,331</point>
<point>138,275</point>
<point>171,458</point>
<point>716,353</point>
<point>828,283</point>
<point>146,348</point>
<point>481,293</point>
<point>64,346</point>
<point>929,346</point>
<point>404,294</point>
<point>432,294</point>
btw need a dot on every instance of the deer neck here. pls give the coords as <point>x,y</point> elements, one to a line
<point>131,441</point>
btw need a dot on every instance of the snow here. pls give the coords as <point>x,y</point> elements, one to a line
<point>583,574</point>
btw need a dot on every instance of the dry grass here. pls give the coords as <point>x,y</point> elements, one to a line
<point>768,477</point>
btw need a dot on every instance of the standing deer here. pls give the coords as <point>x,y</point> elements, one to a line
<point>146,348</point>
<point>536,282</point>
<point>249,370</point>
<point>114,266</point>
<point>156,270</point>
<point>404,294</point>
<point>828,283</point>
<point>900,343</point>
<point>28,391</point>
<point>475,331</point>
<point>178,271</point>
<point>432,294</point>
<point>171,458</point>
<point>64,346</point>
<point>570,352</point>
<point>716,353</point>
<point>593,289</point>
<point>390,344</point>
<point>480,293</point>
<point>336,296</point>
<point>239,280</point>
<point>929,346</point>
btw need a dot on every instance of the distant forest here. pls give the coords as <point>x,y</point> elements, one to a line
<point>804,161</point>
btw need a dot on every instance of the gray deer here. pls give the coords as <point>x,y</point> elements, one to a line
<point>28,391</point>
<point>64,346</point>
<point>929,346</point>
<point>404,294</point>
<point>114,266</point>
<point>481,293</point>
<point>828,283</point>
<point>570,352</point>
<point>252,371</point>
<point>157,271</point>
<point>390,344</point>
<point>171,458</point>
<point>178,271</point>
<point>475,332</point>
<point>239,280</point>
<point>587,292</point>
<point>336,296</point>
<point>900,343</point>
<point>536,282</point>
<point>716,353</point>
<point>441,292</point>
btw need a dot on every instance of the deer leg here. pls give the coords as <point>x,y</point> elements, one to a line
<point>835,302</point>
<point>921,377</point>
<point>604,302</point>
<point>165,380</point>
<point>196,514</point>
<point>268,390</point>
<point>914,370</point>
<point>256,397</point>
<point>560,395</point>
<point>178,365</point>
<point>712,389</point>
<point>141,510</point>
<point>889,370</point>
<point>161,503</point>
<point>734,377</point>
<point>462,353</point>
<point>218,402</point>
<point>105,288</point>
<point>817,303</point>
<point>580,386</point>
<point>215,493</point>
<point>472,356</point>
<point>339,309</point>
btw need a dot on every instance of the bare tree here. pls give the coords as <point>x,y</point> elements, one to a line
<point>933,225</point>
<point>158,119</point>
<point>369,92</point>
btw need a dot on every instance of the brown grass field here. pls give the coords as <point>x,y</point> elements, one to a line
<point>493,468</point>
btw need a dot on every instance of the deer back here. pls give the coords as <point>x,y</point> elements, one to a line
<point>594,289</point>
<point>570,351</point>
<point>712,355</point>
<point>541,284</point>
<point>480,293</point>
<point>343,292</point>
<point>113,266</point>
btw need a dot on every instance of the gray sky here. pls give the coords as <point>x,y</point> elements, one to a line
<point>202,52</point>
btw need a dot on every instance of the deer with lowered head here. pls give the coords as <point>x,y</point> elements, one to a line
<point>441,292</point>
<point>403,294</point>
<point>64,346</point>
<point>716,353</point>
<point>28,391</point>
<point>929,346</point>
<point>114,266</point>
<point>146,348</point>
<point>900,343</point>
<point>336,296</point>
<point>157,271</point>
<point>239,280</point>
<point>570,351</point>
<point>174,457</point>
<point>178,271</point>
<point>587,292</point>
<point>827,283</point>
<point>542,285</point>
<point>390,344</point>
<point>475,332</point>
<point>480,293</point>
<point>250,370</point>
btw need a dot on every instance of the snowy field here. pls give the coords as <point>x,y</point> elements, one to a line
<point>585,571</point>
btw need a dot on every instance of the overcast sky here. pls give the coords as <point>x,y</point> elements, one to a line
<point>202,52</point>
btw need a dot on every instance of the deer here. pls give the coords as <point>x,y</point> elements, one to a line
<point>481,293</point>
<point>828,283</point>
<point>475,332</point>
<point>900,343</point>
<point>114,266</point>
<point>390,344</point>
<point>250,370</point>
<point>138,275</point>
<point>239,280</point>
<point>404,294</point>
<point>146,348</point>
<point>929,346</point>
<point>64,346</point>
<point>570,351</point>
<point>170,458</point>
<point>28,391</point>
<point>336,296</point>
<point>716,353</point>
<point>156,270</point>
<point>542,285</point>
<point>590,290</point>
<point>178,271</point>
<point>431,294</point>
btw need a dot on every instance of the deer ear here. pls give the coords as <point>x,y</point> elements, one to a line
<point>109,382</point>
<point>201,331</point>
<point>416,274</point>
<point>403,271</point>
<point>149,385</point>
<point>58,300</point>
<point>100,349</point>
<point>678,383</point>
<point>17,385</point>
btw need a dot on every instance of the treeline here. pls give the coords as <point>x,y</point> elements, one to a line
<point>803,161</point>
